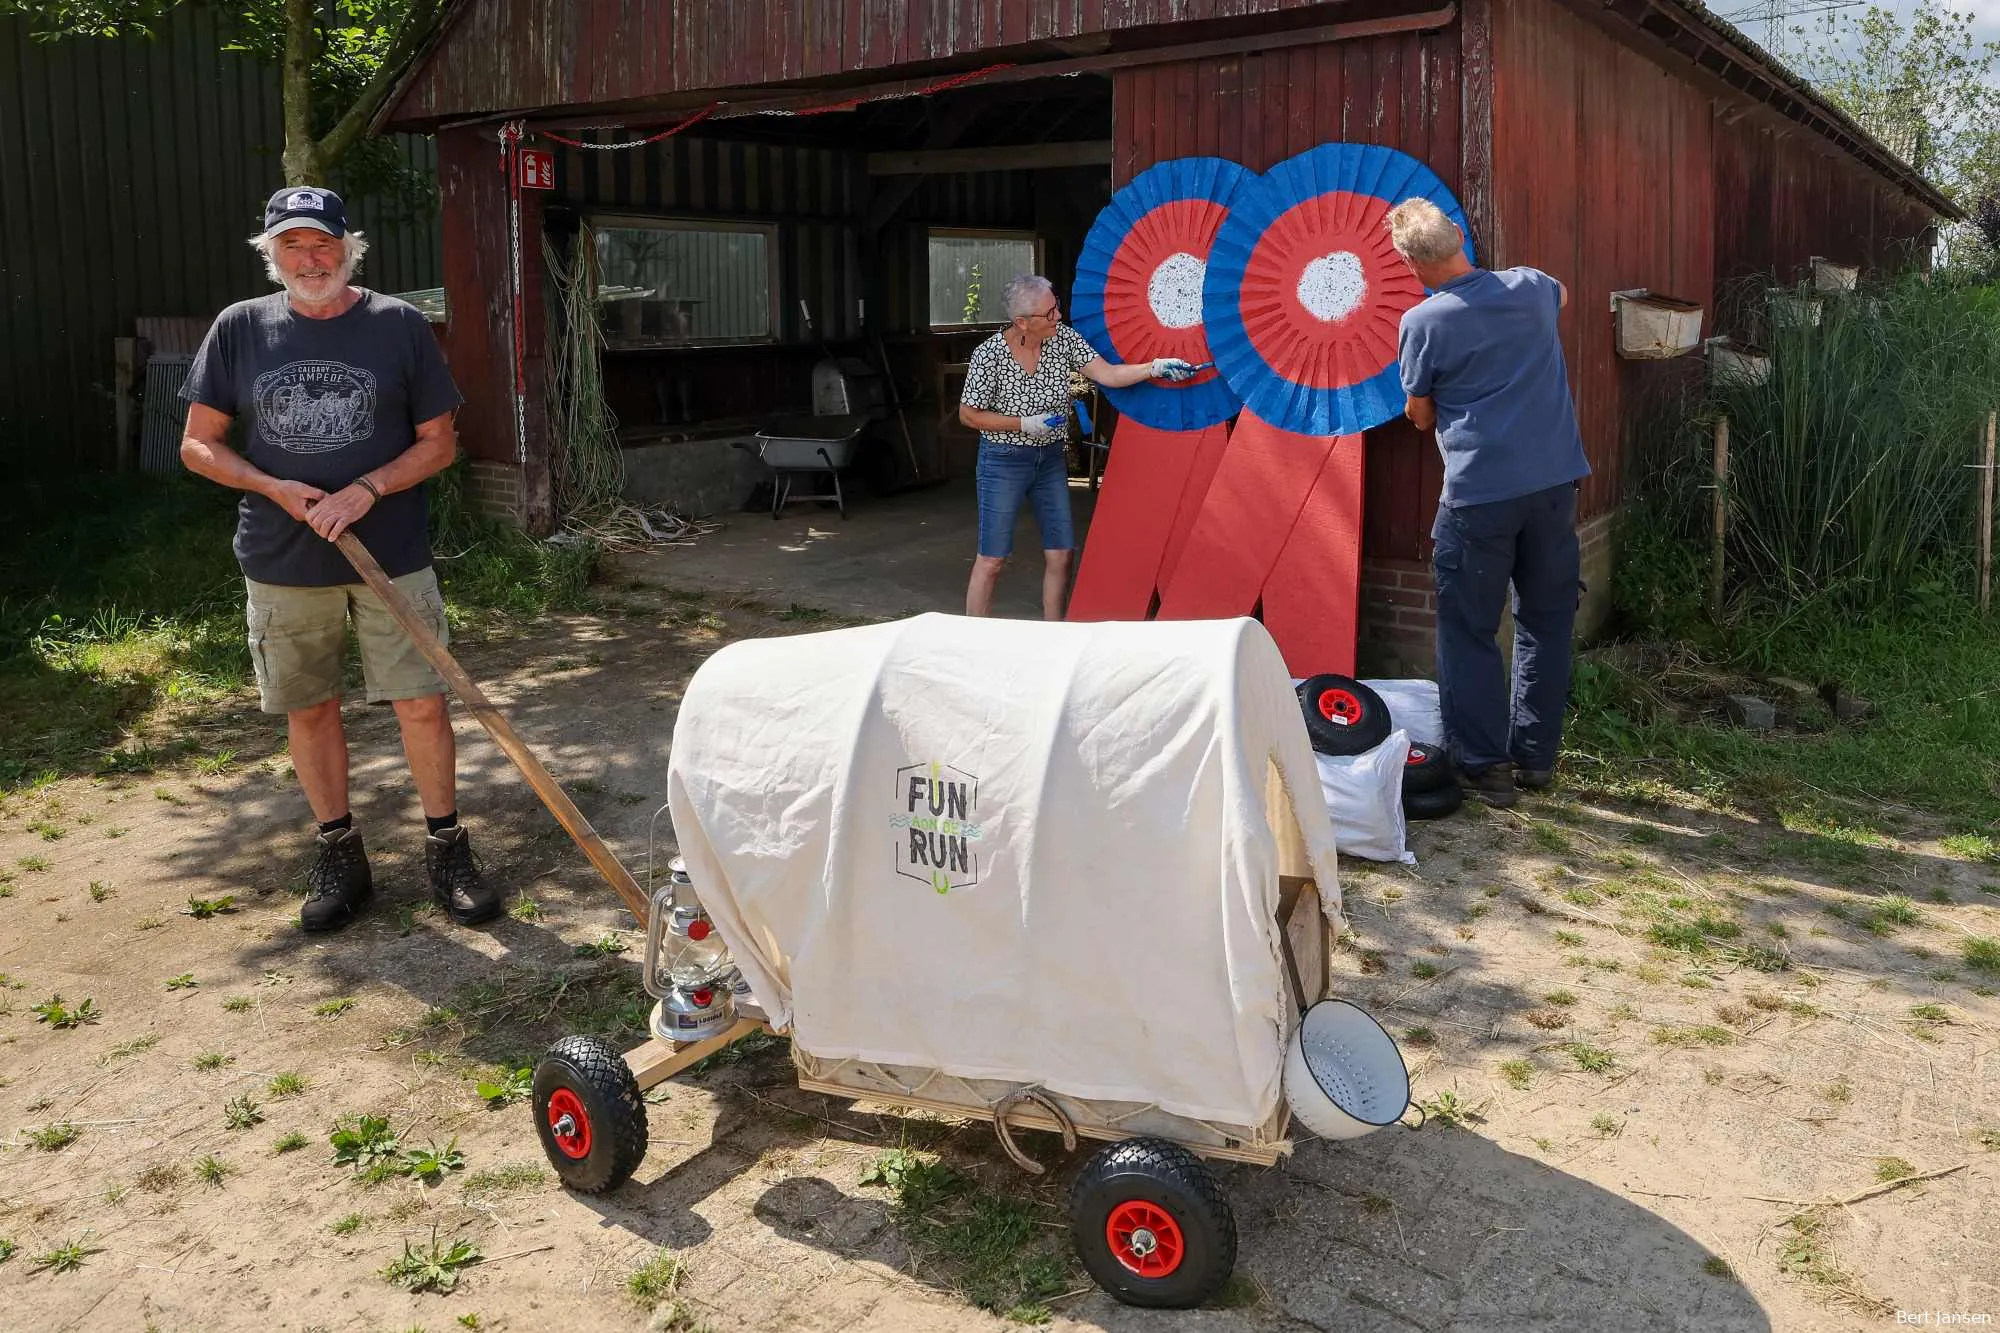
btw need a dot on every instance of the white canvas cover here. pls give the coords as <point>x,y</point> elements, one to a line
<point>1011,850</point>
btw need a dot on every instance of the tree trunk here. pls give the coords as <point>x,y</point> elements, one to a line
<point>303,162</point>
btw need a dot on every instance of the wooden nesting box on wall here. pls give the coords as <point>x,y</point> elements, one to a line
<point>1650,327</point>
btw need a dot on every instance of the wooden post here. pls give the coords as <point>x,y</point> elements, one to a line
<point>553,796</point>
<point>125,364</point>
<point>1986,515</point>
<point>1715,572</point>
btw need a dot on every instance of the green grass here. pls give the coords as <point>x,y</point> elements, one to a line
<point>347,1225</point>
<point>286,1084</point>
<point>213,1060</point>
<point>1518,1073</point>
<point>65,1258</point>
<point>212,1170</point>
<point>52,1138</point>
<point>58,1013</point>
<point>1004,1253</point>
<point>656,1279</point>
<point>1930,744</point>
<point>434,1268</point>
<point>333,1008</point>
<point>1981,953</point>
<point>1590,1059</point>
<point>1423,971</point>
<point>1708,1035</point>
<point>185,981</point>
<point>291,1142</point>
<point>125,1050</point>
<point>119,597</point>
<point>1889,1169</point>
<point>242,1113</point>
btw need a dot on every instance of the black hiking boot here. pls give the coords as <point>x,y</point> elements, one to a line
<point>1534,779</point>
<point>455,879</point>
<point>1494,785</point>
<point>338,882</point>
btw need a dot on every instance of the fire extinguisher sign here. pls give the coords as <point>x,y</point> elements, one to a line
<point>538,169</point>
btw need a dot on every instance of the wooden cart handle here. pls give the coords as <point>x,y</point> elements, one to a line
<point>497,726</point>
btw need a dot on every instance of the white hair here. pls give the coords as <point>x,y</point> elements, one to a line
<point>1422,233</point>
<point>1025,294</point>
<point>355,245</point>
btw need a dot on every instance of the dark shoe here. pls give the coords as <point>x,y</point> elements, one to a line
<point>1494,785</point>
<point>1534,779</point>
<point>455,880</point>
<point>338,882</point>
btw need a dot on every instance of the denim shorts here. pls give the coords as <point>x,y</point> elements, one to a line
<point>1011,473</point>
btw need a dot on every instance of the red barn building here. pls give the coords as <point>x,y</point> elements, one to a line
<point>849,148</point>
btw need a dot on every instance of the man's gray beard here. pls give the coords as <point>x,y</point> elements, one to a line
<point>334,286</point>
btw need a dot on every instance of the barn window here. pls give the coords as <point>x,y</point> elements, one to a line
<point>969,269</point>
<point>672,282</point>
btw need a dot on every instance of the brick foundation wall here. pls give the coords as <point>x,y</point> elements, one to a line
<point>494,489</point>
<point>1398,618</point>
<point>1398,628</point>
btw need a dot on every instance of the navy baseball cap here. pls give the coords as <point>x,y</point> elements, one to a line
<point>305,206</point>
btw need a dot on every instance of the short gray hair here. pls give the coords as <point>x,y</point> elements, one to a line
<point>1025,294</point>
<point>355,245</point>
<point>1422,233</point>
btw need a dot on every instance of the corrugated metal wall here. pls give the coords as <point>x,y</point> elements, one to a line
<point>130,172</point>
<point>514,54</point>
<point>1401,92</point>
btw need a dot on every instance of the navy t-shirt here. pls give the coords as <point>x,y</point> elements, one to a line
<point>1485,350</point>
<point>323,401</point>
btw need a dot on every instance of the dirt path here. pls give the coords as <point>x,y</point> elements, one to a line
<point>1567,1196</point>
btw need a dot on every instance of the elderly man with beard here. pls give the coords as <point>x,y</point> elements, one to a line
<point>346,408</point>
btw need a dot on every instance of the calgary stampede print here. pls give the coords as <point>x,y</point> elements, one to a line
<point>311,407</point>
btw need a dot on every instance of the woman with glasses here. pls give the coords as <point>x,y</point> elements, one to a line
<point>1017,397</point>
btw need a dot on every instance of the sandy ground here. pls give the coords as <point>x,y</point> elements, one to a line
<point>1652,1192</point>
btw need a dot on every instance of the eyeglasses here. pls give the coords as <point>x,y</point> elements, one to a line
<point>1053,312</point>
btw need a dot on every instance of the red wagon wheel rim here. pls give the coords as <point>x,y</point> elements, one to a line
<point>572,1138</point>
<point>1417,756</point>
<point>1145,1238</point>
<point>1340,707</point>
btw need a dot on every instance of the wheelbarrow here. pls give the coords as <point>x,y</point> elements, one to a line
<point>1150,1221</point>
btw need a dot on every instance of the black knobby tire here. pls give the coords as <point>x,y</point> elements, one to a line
<point>1434,804</point>
<point>1128,1185</point>
<point>1427,769</point>
<point>1343,716</point>
<point>586,1079</point>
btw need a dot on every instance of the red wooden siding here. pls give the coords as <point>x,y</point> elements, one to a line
<point>478,341</point>
<point>1612,172</point>
<point>1601,178</point>
<point>504,55</point>
<point>1401,92</point>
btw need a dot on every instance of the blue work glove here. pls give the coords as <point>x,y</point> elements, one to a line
<point>1172,368</point>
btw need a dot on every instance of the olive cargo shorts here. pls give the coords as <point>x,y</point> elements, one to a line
<point>298,640</point>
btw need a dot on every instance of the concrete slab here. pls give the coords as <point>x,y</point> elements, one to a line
<point>893,556</point>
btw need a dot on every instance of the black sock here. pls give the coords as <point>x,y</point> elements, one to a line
<point>340,825</point>
<point>442,822</point>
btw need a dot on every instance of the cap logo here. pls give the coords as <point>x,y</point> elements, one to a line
<point>312,199</point>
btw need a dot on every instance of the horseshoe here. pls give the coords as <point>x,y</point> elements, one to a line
<point>1036,1096</point>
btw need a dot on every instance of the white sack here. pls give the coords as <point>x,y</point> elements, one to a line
<point>1413,707</point>
<point>1364,798</point>
<point>1102,923</point>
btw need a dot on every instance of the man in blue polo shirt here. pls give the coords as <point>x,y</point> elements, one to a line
<point>1482,363</point>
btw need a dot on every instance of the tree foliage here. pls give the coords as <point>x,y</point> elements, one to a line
<point>1929,88</point>
<point>339,61</point>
